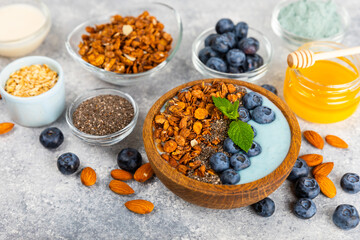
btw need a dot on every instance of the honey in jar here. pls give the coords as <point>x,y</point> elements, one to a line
<point>328,91</point>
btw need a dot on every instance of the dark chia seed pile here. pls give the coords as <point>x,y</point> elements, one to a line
<point>103,115</point>
<point>219,130</point>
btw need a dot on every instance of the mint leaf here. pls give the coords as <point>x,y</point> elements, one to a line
<point>242,134</point>
<point>226,107</point>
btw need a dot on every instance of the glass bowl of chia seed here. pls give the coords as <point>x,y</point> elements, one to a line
<point>102,116</point>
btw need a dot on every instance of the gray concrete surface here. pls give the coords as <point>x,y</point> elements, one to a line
<point>38,202</point>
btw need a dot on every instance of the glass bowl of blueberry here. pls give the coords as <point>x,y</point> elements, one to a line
<point>231,50</point>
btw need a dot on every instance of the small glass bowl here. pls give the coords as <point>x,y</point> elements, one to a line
<point>105,140</point>
<point>265,51</point>
<point>292,41</point>
<point>23,46</point>
<point>163,13</point>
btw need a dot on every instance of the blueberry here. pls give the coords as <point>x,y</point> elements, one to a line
<point>304,208</point>
<point>251,100</point>
<point>239,161</point>
<point>254,150</point>
<point>300,169</point>
<point>236,69</point>
<point>68,163</point>
<point>230,176</point>
<point>346,217</point>
<point>244,114</point>
<point>221,43</point>
<point>224,25</point>
<point>232,39</point>
<point>265,207</point>
<point>306,187</point>
<point>209,39</point>
<point>235,57</point>
<point>129,159</point>
<point>254,130</point>
<point>263,115</point>
<point>249,45</point>
<point>217,64</point>
<point>230,147</point>
<point>350,183</point>
<point>253,62</point>
<point>206,53</point>
<point>219,162</point>
<point>51,138</point>
<point>241,30</point>
<point>270,88</point>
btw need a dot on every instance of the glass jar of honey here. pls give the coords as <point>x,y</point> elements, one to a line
<point>328,91</point>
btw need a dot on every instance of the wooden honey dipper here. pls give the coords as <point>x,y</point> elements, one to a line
<point>306,58</point>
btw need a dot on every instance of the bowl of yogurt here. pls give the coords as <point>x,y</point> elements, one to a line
<point>24,24</point>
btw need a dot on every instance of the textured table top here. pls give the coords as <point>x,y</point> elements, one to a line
<point>38,202</point>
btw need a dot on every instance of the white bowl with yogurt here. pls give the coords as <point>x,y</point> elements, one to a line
<point>24,24</point>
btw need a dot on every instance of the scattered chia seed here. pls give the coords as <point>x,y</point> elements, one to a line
<point>103,115</point>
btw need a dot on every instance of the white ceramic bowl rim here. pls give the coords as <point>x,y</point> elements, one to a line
<point>104,19</point>
<point>27,61</point>
<point>96,137</point>
<point>45,10</point>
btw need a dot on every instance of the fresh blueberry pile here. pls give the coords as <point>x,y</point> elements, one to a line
<point>228,167</point>
<point>230,50</point>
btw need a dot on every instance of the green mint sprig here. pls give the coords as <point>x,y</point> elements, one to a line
<point>240,132</point>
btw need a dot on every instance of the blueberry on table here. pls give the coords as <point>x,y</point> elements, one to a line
<point>217,64</point>
<point>206,53</point>
<point>270,88</point>
<point>224,25</point>
<point>254,130</point>
<point>249,45</point>
<point>230,147</point>
<point>221,43</point>
<point>209,39</point>
<point>346,217</point>
<point>219,162</point>
<point>251,100</point>
<point>239,161</point>
<point>129,159</point>
<point>235,57</point>
<point>263,115</point>
<point>300,169</point>
<point>230,176</point>
<point>232,39</point>
<point>350,183</point>
<point>241,30</point>
<point>254,150</point>
<point>306,187</point>
<point>68,163</point>
<point>244,114</point>
<point>51,138</point>
<point>304,208</point>
<point>265,207</point>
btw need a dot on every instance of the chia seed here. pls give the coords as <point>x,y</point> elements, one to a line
<point>103,115</point>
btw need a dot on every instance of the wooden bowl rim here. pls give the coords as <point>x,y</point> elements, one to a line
<point>192,184</point>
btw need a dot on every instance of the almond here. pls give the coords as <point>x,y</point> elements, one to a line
<point>312,159</point>
<point>120,174</point>
<point>336,141</point>
<point>323,169</point>
<point>314,139</point>
<point>120,187</point>
<point>6,127</point>
<point>327,187</point>
<point>143,173</point>
<point>88,176</point>
<point>140,206</point>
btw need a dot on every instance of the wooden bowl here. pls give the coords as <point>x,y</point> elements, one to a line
<point>221,196</point>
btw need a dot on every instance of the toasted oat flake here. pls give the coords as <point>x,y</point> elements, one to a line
<point>31,81</point>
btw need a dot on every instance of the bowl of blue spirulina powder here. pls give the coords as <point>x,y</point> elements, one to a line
<point>301,21</point>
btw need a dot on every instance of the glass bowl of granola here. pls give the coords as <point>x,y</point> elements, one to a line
<point>204,148</point>
<point>129,45</point>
